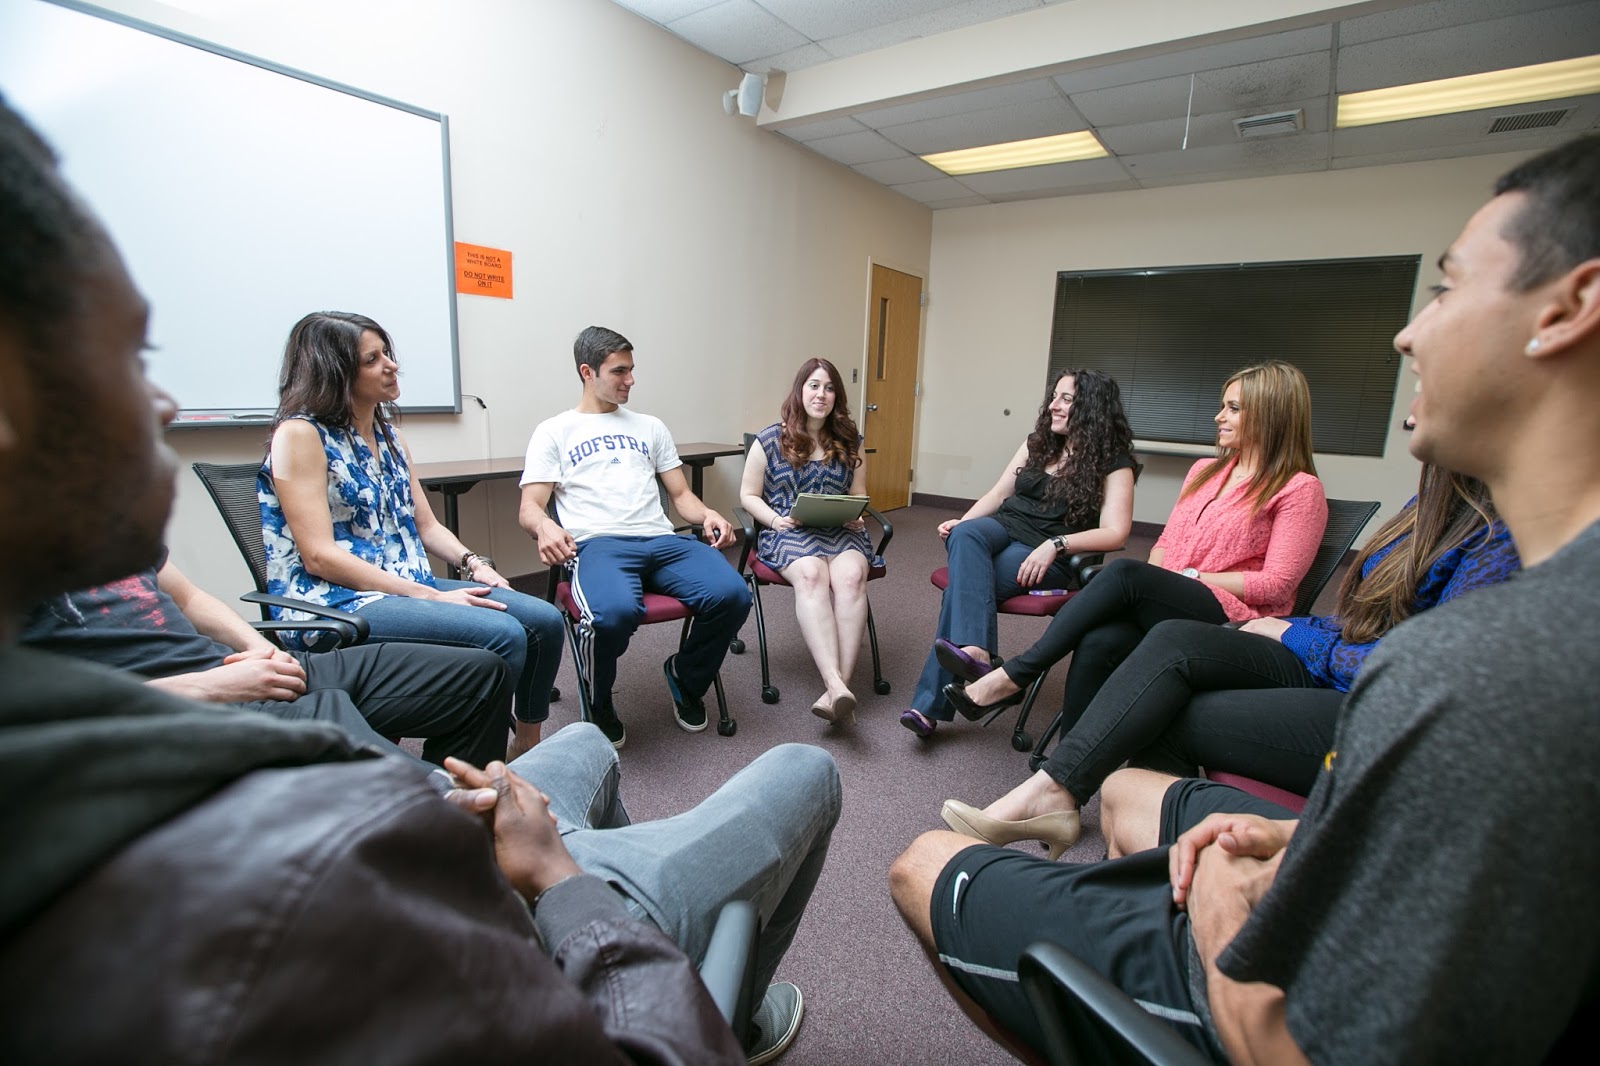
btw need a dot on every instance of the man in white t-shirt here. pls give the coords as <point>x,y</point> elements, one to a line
<point>600,463</point>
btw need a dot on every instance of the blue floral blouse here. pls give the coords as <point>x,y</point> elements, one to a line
<point>374,519</point>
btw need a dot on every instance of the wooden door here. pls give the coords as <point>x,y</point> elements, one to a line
<point>894,323</point>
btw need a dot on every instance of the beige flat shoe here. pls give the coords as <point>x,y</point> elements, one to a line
<point>1058,829</point>
<point>823,709</point>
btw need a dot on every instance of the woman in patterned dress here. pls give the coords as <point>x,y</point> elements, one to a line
<point>346,524</point>
<point>814,447</point>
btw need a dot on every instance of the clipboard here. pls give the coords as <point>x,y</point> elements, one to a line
<point>826,512</point>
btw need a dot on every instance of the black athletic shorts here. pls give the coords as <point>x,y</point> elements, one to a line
<point>1186,803</point>
<point>989,904</point>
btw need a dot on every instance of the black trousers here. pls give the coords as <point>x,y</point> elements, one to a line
<point>1102,624</point>
<point>457,700</point>
<point>1135,716</point>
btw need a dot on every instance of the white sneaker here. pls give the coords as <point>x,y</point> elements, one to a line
<point>776,1023</point>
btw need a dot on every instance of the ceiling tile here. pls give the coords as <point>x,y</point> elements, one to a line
<point>736,30</point>
<point>1040,118</point>
<point>853,148</point>
<point>807,55</point>
<point>959,201</point>
<point>1419,18</point>
<point>1250,87</point>
<point>1209,57</point>
<point>1535,37</point>
<point>829,18</point>
<point>828,127</point>
<point>899,171</point>
<point>950,17</point>
<point>1302,167</point>
<point>1052,176</point>
<point>1462,129</point>
<point>1262,154</point>
<point>664,11</point>
<point>959,103</point>
<point>1167,134</point>
<point>1040,194</point>
<point>930,191</point>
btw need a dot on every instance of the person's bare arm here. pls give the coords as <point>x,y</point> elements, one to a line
<point>211,616</point>
<point>752,483</point>
<point>719,534</point>
<point>990,501</point>
<point>556,545</point>
<point>437,538</point>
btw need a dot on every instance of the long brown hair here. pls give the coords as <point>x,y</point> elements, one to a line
<point>320,362</point>
<point>1097,436</point>
<point>1276,402</point>
<point>838,437</point>
<point>1450,509</point>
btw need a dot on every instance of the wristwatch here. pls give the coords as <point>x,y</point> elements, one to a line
<point>1190,571</point>
<point>1060,544</point>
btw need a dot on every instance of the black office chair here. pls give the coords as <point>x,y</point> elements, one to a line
<point>1346,519</point>
<point>1088,1021</point>
<point>657,608</point>
<point>233,489</point>
<point>758,574</point>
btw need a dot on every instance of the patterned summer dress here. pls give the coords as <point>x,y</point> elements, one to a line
<point>782,485</point>
<point>369,500</point>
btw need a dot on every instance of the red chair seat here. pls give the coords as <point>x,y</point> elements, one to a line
<point>1259,789</point>
<point>768,576</point>
<point>1039,606</point>
<point>657,608</point>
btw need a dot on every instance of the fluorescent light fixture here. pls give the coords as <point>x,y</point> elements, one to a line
<point>1035,152</point>
<point>1473,92</point>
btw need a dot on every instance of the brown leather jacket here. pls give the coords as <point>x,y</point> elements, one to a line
<point>187,884</point>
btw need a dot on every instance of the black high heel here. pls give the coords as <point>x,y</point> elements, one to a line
<point>956,694</point>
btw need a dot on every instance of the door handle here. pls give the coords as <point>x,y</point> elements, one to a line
<point>872,407</point>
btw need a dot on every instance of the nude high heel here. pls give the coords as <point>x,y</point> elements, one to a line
<point>1058,829</point>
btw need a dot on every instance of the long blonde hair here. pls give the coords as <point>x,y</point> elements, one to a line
<point>1276,402</point>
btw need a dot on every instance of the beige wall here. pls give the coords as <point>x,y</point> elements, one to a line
<point>593,145</point>
<point>992,291</point>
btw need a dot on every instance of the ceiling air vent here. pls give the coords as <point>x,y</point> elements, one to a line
<point>1532,120</point>
<point>1270,125</point>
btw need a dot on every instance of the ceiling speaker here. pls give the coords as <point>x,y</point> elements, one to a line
<point>746,99</point>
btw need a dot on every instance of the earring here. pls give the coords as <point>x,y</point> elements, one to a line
<point>1532,347</point>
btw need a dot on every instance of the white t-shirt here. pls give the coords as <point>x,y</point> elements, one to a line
<point>604,469</point>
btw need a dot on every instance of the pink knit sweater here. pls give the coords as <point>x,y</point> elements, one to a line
<point>1274,547</point>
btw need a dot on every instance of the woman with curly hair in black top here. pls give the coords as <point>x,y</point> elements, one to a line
<point>1068,489</point>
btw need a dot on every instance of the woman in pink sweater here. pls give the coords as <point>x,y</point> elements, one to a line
<point>1236,546</point>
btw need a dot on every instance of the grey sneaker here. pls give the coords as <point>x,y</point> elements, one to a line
<point>775,1024</point>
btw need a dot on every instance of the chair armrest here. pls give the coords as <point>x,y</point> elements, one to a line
<point>1087,1019</point>
<point>351,628</point>
<point>747,524</point>
<point>885,527</point>
<point>729,967</point>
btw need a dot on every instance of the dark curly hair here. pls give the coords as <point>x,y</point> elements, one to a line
<point>1097,436</point>
<point>838,439</point>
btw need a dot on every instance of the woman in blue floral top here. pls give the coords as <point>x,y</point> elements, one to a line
<point>346,524</point>
<point>1261,700</point>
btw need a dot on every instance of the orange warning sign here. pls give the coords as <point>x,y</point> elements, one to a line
<point>483,271</point>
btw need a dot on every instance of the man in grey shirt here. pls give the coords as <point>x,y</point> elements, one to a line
<point>1432,903</point>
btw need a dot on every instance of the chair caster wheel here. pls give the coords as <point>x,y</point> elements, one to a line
<point>728,728</point>
<point>1034,762</point>
<point>555,694</point>
<point>769,694</point>
<point>881,687</point>
<point>736,646</point>
<point>1021,742</point>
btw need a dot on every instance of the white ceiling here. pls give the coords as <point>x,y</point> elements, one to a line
<point>895,84</point>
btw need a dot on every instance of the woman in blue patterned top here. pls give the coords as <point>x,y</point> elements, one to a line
<point>1261,700</point>
<point>814,447</point>
<point>346,524</point>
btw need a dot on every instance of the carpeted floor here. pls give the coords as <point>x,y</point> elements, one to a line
<point>870,994</point>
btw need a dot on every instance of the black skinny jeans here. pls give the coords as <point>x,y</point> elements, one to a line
<point>1159,684</point>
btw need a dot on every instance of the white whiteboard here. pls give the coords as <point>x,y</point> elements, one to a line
<point>243,195</point>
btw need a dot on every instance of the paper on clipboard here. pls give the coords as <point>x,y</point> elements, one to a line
<point>825,512</point>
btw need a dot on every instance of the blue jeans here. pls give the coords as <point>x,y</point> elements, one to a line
<point>527,635</point>
<point>983,562</point>
<point>763,837</point>
<point>609,579</point>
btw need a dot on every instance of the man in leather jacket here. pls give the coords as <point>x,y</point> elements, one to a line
<point>193,883</point>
